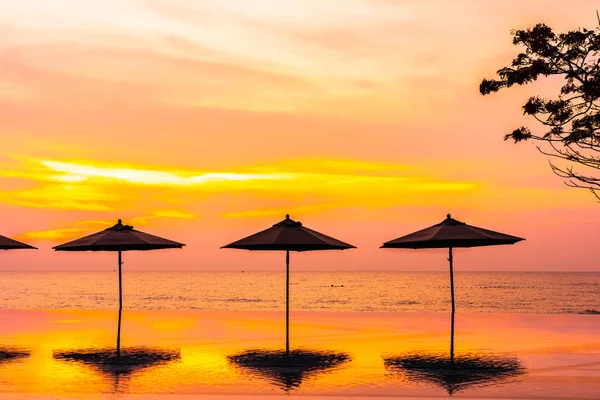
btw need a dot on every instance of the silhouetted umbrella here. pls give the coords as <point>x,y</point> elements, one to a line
<point>288,370</point>
<point>451,233</point>
<point>288,235</point>
<point>456,373</point>
<point>119,238</point>
<point>10,244</point>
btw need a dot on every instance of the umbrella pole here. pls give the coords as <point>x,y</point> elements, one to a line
<point>451,277</point>
<point>120,308</point>
<point>287,302</point>
<point>452,339</point>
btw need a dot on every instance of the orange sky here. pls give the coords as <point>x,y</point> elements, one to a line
<point>207,121</point>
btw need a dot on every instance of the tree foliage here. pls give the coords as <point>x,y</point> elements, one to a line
<point>572,119</point>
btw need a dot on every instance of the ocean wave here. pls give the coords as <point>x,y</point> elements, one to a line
<point>400,303</point>
<point>243,300</point>
<point>334,301</point>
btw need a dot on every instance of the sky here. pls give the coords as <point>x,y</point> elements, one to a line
<point>204,122</point>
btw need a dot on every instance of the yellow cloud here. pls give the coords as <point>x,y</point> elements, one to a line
<point>278,211</point>
<point>301,184</point>
<point>97,225</point>
<point>162,214</point>
<point>174,214</point>
<point>62,196</point>
<point>289,176</point>
<point>80,172</point>
<point>55,234</point>
<point>343,166</point>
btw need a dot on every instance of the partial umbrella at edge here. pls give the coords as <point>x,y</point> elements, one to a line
<point>11,244</point>
<point>119,238</point>
<point>451,233</point>
<point>288,235</point>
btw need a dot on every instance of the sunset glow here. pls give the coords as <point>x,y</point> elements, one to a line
<point>207,121</point>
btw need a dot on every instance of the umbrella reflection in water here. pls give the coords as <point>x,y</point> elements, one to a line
<point>288,370</point>
<point>114,366</point>
<point>8,354</point>
<point>456,372</point>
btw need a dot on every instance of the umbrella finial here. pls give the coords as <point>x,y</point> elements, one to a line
<point>287,216</point>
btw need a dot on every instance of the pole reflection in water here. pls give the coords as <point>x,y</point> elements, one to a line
<point>456,372</point>
<point>288,370</point>
<point>113,365</point>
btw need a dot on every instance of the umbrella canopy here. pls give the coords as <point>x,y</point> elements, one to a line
<point>10,244</point>
<point>119,238</point>
<point>451,233</point>
<point>288,235</point>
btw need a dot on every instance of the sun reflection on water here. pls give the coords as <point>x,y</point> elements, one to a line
<point>346,354</point>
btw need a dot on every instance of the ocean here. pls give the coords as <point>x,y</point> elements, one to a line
<point>487,292</point>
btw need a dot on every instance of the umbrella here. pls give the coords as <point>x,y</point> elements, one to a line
<point>451,233</point>
<point>456,373</point>
<point>10,244</point>
<point>119,238</point>
<point>288,235</point>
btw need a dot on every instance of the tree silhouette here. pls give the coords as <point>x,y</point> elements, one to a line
<point>572,119</point>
